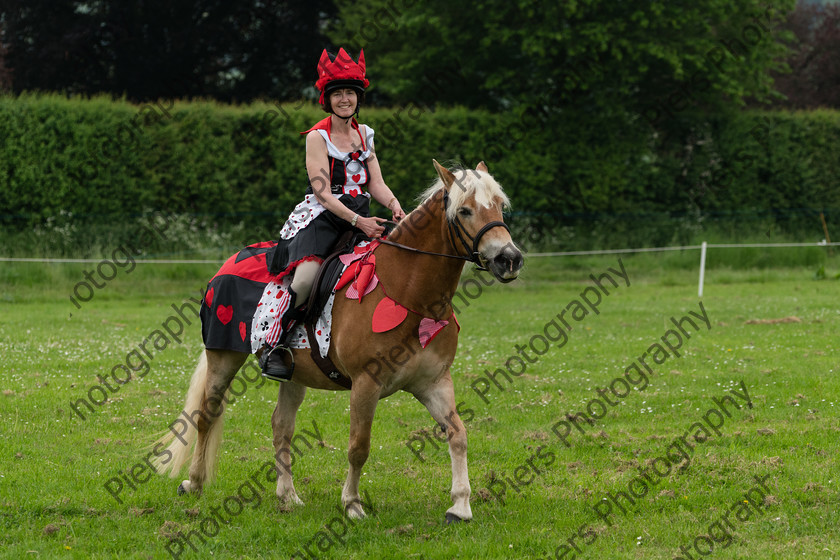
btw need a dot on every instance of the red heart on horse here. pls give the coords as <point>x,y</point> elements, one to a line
<point>224,313</point>
<point>429,329</point>
<point>350,257</point>
<point>388,315</point>
<point>365,274</point>
<point>208,297</point>
<point>243,330</point>
<point>348,276</point>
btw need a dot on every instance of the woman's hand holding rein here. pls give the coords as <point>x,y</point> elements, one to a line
<point>370,226</point>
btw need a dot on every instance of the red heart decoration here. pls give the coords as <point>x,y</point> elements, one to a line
<point>348,259</point>
<point>353,291</point>
<point>243,330</point>
<point>224,313</point>
<point>429,329</point>
<point>319,331</point>
<point>388,315</point>
<point>365,274</point>
<point>348,276</point>
<point>208,297</point>
<point>356,178</point>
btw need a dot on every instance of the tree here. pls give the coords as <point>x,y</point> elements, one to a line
<point>5,74</point>
<point>146,49</point>
<point>814,80</point>
<point>590,55</point>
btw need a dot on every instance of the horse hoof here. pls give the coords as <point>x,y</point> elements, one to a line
<point>355,511</point>
<point>452,518</point>
<point>181,489</point>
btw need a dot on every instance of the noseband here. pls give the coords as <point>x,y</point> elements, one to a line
<point>469,243</point>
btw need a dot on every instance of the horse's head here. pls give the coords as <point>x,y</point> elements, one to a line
<point>474,204</point>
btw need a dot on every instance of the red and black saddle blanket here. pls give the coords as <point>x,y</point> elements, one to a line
<point>234,293</point>
<point>232,297</point>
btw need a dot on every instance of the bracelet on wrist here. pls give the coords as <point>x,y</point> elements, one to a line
<point>390,202</point>
<point>354,220</point>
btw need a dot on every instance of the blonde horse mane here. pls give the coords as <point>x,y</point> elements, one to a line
<point>468,182</point>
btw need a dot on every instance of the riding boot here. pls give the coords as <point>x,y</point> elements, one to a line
<point>273,358</point>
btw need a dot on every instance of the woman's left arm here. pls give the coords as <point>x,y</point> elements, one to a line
<point>379,190</point>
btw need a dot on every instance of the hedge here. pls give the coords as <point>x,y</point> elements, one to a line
<point>101,160</point>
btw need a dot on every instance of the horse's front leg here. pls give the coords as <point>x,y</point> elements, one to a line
<point>283,427</point>
<point>363,399</point>
<point>439,399</point>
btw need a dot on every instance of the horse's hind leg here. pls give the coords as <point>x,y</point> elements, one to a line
<point>222,366</point>
<point>439,399</point>
<point>283,427</point>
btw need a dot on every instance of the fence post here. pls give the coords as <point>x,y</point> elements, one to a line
<point>702,268</point>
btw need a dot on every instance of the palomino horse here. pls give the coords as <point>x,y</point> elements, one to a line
<point>419,265</point>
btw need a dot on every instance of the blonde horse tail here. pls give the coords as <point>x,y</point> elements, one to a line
<point>181,444</point>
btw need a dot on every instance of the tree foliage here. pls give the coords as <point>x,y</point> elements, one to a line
<point>814,80</point>
<point>594,55</point>
<point>147,49</point>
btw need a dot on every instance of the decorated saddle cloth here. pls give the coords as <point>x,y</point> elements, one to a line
<point>232,298</point>
<point>238,311</point>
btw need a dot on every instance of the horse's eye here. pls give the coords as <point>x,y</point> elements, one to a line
<point>465,212</point>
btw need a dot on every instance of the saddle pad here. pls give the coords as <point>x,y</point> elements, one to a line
<point>320,302</point>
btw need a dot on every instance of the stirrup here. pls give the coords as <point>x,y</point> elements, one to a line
<point>273,364</point>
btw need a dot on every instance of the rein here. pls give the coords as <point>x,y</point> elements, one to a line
<point>457,227</point>
<point>420,251</point>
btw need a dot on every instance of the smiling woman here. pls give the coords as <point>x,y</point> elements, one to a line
<point>343,175</point>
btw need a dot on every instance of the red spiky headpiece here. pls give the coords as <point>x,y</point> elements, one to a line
<point>341,72</point>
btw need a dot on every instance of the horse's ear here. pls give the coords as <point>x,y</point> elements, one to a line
<point>445,175</point>
<point>481,167</point>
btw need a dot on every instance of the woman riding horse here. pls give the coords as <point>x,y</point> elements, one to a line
<point>341,164</point>
<point>393,326</point>
<point>393,329</point>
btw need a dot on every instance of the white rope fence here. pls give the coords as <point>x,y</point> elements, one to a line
<point>703,249</point>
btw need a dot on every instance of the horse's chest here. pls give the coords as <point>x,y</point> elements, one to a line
<point>420,372</point>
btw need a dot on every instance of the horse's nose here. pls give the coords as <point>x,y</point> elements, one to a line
<point>509,260</point>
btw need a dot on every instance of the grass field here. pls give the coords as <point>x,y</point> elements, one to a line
<point>692,485</point>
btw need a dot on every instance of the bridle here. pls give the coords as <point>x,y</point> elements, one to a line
<point>457,229</point>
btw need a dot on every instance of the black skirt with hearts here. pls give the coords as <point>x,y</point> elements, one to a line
<point>317,240</point>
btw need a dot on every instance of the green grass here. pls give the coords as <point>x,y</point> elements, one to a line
<point>54,465</point>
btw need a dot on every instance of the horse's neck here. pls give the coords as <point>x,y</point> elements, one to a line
<point>423,283</point>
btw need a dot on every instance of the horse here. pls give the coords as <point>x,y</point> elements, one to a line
<point>419,264</point>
